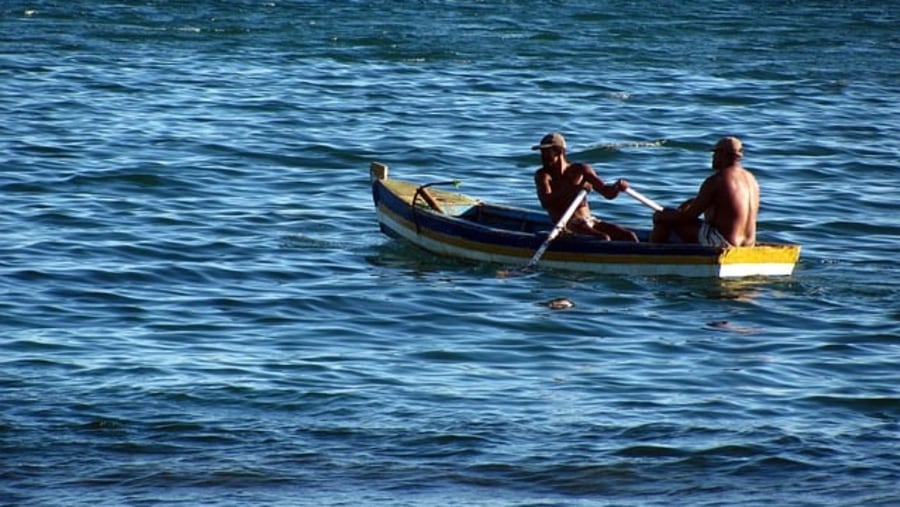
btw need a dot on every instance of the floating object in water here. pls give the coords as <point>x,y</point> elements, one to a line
<point>559,304</point>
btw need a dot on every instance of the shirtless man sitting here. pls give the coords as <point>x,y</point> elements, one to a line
<point>558,182</point>
<point>728,200</point>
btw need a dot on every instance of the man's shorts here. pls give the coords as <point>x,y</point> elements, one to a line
<point>709,236</point>
<point>589,221</point>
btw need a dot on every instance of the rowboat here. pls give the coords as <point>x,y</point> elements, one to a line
<point>452,224</point>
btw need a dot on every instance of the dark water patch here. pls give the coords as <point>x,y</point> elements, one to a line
<point>650,451</point>
<point>112,178</point>
<point>774,465</point>
<point>443,356</point>
<point>105,426</point>
<point>25,188</point>
<point>115,369</point>
<point>887,408</point>
<point>46,150</point>
<point>65,219</point>
<point>36,344</point>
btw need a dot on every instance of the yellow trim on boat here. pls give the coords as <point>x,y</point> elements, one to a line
<point>761,254</point>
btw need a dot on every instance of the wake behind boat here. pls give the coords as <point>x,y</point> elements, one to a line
<point>456,225</point>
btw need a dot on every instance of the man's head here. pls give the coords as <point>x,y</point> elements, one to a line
<point>553,150</point>
<point>728,151</point>
<point>553,140</point>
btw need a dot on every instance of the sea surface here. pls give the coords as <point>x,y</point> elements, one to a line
<point>198,307</point>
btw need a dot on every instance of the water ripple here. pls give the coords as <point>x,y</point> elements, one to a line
<point>200,309</point>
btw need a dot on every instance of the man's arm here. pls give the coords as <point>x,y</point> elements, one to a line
<point>610,191</point>
<point>692,208</point>
<point>549,200</point>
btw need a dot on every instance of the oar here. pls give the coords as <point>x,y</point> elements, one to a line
<point>556,230</point>
<point>643,200</point>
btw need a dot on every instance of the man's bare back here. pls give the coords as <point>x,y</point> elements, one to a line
<point>728,201</point>
<point>734,209</point>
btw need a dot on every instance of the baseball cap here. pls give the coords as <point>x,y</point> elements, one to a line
<point>551,140</point>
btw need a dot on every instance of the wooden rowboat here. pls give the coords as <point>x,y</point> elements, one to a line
<point>452,224</point>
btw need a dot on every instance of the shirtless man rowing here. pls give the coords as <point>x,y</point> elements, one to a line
<point>558,182</point>
<point>728,201</point>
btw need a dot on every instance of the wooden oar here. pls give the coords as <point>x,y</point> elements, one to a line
<point>643,200</point>
<point>556,230</point>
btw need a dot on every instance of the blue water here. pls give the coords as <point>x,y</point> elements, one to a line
<point>199,309</point>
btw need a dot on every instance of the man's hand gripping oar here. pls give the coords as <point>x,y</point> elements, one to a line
<point>560,226</point>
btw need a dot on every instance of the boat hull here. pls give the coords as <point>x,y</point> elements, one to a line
<point>466,228</point>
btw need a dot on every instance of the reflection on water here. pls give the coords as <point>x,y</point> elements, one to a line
<point>744,289</point>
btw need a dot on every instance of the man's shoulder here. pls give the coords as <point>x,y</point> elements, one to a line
<point>715,179</point>
<point>735,174</point>
<point>749,173</point>
<point>733,170</point>
<point>579,166</point>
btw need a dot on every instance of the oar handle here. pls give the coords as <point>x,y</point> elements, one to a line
<point>558,228</point>
<point>650,203</point>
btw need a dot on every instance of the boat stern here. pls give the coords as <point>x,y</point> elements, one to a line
<point>760,260</point>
